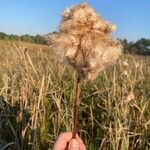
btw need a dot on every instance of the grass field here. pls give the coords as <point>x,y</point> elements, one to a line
<point>37,93</point>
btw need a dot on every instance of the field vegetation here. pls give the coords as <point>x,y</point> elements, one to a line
<point>37,93</point>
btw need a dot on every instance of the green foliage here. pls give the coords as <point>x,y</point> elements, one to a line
<point>141,46</point>
<point>38,39</point>
<point>2,35</point>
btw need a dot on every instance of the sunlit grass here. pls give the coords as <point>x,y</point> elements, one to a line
<point>36,101</point>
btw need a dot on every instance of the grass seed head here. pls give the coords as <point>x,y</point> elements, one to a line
<point>84,42</point>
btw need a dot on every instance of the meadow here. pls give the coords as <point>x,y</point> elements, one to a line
<point>37,93</point>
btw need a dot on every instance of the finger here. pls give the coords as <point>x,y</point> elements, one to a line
<point>62,140</point>
<point>79,139</point>
<point>73,145</point>
<point>82,147</point>
<point>81,144</point>
<point>67,136</point>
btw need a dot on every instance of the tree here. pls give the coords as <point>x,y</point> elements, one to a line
<point>143,46</point>
<point>40,40</point>
<point>2,35</point>
<point>127,46</point>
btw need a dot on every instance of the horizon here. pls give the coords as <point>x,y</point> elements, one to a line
<point>54,31</point>
<point>25,17</point>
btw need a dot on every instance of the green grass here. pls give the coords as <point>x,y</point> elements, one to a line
<point>37,93</point>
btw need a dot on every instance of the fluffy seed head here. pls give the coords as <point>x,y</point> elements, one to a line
<point>84,41</point>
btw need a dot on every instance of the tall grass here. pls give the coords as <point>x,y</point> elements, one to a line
<point>36,101</point>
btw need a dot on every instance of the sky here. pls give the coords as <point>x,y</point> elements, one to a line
<point>132,17</point>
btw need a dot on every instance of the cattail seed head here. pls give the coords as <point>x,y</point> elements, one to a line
<point>84,42</point>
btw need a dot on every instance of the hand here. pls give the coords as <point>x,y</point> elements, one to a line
<point>65,138</point>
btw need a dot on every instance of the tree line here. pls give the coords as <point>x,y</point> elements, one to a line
<point>37,39</point>
<point>141,46</point>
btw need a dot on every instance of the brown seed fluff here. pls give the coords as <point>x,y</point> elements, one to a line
<point>84,41</point>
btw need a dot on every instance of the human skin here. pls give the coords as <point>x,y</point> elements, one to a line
<point>65,142</point>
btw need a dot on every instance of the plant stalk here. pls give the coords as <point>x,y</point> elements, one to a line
<point>76,107</point>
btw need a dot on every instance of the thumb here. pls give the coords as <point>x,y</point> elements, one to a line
<point>73,145</point>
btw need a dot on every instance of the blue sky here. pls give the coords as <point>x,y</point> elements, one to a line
<point>132,17</point>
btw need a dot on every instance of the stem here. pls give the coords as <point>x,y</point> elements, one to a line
<point>76,108</point>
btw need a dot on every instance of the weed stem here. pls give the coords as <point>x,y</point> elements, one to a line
<point>76,107</point>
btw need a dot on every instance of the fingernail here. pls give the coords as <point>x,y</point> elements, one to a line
<point>73,145</point>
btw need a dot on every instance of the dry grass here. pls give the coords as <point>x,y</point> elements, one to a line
<point>36,99</point>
